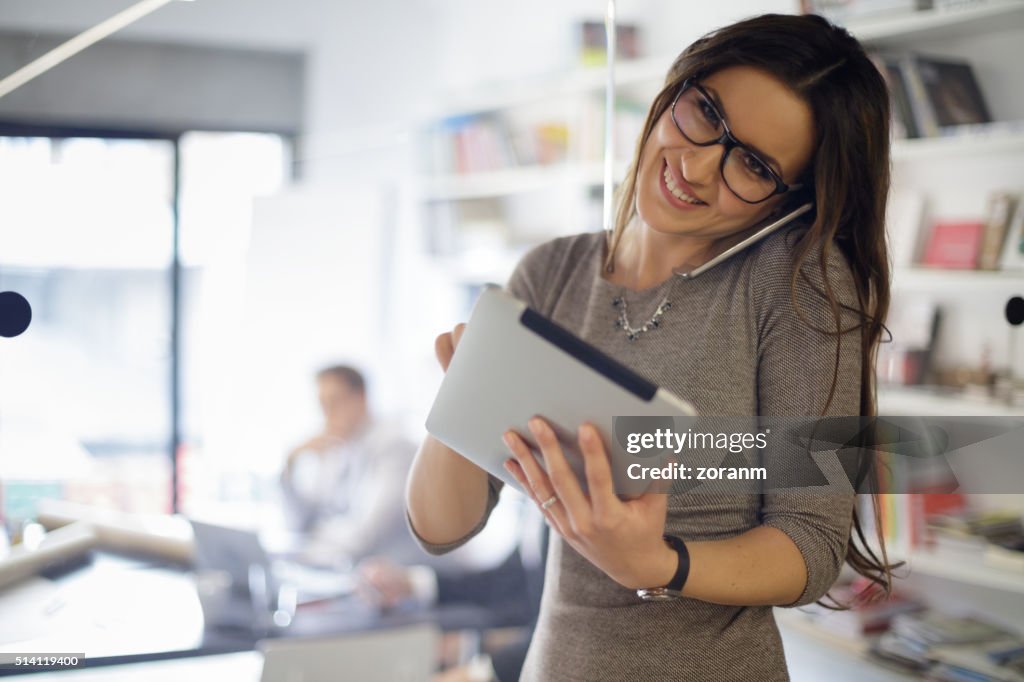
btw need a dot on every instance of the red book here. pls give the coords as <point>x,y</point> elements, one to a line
<point>925,505</point>
<point>955,245</point>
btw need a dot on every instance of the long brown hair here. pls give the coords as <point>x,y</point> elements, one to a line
<point>848,179</point>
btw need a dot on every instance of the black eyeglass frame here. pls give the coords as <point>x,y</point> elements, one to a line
<point>729,141</point>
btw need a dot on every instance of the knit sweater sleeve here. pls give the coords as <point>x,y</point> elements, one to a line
<point>800,354</point>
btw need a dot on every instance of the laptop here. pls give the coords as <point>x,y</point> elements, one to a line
<point>407,654</point>
<point>238,553</point>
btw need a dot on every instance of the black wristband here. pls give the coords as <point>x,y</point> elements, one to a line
<point>683,568</point>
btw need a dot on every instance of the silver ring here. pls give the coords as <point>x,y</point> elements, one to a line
<point>546,504</point>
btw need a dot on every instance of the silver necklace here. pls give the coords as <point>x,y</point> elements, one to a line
<point>623,323</point>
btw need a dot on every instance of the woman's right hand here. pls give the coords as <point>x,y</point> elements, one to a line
<point>445,344</point>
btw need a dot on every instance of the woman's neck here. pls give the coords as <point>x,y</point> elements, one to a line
<point>645,258</point>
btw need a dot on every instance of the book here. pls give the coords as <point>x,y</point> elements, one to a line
<point>921,112</point>
<point>953,92</point>
<point>925,507</point>
<point>998,213</point>
<point>998,660</point>
<point>904,216</point>
<point>903,124</point>
<point>1013,244</point>
<point>932,628</point>
<point>954,245</point>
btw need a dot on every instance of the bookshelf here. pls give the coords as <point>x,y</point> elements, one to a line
<point>957,281</point>
<point>941,23</point>
<point>510,181</point>
<point>965,569</point>
<point>987,140</point>
<point>918,401</point>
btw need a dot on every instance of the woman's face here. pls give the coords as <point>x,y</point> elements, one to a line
<point>763,114</point>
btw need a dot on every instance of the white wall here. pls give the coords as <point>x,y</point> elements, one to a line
<point>363,86</point>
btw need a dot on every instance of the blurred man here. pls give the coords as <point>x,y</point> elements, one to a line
<point>344,486</point>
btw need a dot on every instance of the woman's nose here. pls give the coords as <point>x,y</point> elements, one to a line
<point>699,165</point>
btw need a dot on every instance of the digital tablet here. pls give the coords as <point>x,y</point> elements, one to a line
<point>512,364</point>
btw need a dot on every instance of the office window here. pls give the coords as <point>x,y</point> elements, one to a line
<point>86,234</point>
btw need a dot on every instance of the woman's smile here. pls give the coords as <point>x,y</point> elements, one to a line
<point>677,192</point>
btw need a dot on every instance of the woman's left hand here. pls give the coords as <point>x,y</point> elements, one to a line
<point>622,538</point>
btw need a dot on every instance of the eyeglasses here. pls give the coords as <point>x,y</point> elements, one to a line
<point>747,175</point>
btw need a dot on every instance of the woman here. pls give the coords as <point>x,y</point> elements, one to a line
<point>754,120</point>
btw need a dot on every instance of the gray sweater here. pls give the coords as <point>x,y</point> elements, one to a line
<point>733,344</point>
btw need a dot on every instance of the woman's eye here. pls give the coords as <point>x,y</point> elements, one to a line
<point>755,166</point>
<point>709,113</point>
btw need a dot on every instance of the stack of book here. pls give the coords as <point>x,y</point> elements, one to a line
<point>953,648</point>
<point>996,537</point>
<point>471,144</point>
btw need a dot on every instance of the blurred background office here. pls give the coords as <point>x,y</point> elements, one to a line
<point>227,196</point>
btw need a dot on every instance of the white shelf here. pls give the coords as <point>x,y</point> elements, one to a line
<point>921,402</point>
<point>981,140</point>
<point>965,569</point>
<point>937,280</point>
<point>892,30</point>
<point>522,179</point>
<point>511,181</point>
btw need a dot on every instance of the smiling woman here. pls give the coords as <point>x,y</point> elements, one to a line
<point>698,182</point>
<point>755,120</point>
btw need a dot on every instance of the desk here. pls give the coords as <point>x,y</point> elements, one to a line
<point>117,609</point>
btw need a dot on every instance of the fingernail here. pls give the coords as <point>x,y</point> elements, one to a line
<point>509,439</point>
<point>586,433</point>
<point>536,425</point>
